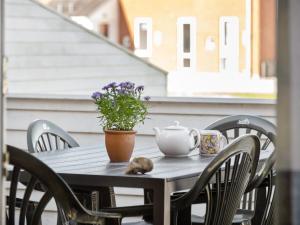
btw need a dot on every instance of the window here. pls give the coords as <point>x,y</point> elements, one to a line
<point>104,29</point>
<point>229,44</point>
<point>143,36</point>
<point>186,43</point>
<point>70,8</point>
<point>60,7</point>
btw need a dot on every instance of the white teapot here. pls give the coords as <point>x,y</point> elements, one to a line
<point>176,140</point>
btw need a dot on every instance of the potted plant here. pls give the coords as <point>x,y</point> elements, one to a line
<point>120,108</point>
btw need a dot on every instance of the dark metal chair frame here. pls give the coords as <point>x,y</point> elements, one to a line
<point>27,168</point>
<point>254,125</point>
<point>269,183</point>
<point>43,135</point>
<point>250,123</point>
<point>266,131</point>
<point>230,172</point>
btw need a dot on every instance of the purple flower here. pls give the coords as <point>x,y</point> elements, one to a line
<point>126,85</point>
<point>140,88</point>
<point>130,85</point>
<point>147,98</point>
<point>96,95</point>
<point>121,91</point>
<point>122,84</point>
<point>105,88</point>
<point>110,85</point>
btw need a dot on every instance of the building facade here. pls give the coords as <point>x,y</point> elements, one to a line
<point>203,36</point>
<point>230,37</point>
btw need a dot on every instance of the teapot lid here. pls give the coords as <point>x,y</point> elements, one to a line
<point>176,127</point>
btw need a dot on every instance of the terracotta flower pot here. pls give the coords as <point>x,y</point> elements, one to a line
<point>119,144</point>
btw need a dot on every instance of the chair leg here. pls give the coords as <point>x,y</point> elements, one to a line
<point>148,198</point>
<point>184,216</point>
<point>104,196</point>
<point>174,217</point>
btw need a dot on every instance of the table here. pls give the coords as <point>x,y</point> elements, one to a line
<point>90,166</point>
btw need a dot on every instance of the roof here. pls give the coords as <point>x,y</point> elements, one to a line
<point>103,38</point>
<point>79,7</point>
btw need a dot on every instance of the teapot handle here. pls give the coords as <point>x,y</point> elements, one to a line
<point>194,130</point>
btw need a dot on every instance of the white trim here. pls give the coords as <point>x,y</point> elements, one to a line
<point>226,52</point>
<point>248,60</point>
<point>143,52</point>
<point>181,55</point>
<point>57,102</point>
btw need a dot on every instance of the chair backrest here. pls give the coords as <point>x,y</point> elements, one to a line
<point>266,176</point>
<point>27,167</point>
<point>269,215</point>
<point>234,126</point>
<point>228,174</point>
<point>43,135</point>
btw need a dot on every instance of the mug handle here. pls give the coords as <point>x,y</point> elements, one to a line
<point>223,142</point>
<point>194,130</point>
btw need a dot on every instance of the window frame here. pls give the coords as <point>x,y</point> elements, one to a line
<point>181,55</point>
<point>148,51</point>
<point>223,41</point>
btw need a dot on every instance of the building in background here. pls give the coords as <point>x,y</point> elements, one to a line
<point>206,46</point>
<point>101,16</point>
<point>48,53</point>
<point>194,35</point>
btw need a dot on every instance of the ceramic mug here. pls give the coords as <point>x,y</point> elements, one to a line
<point>211,142</point>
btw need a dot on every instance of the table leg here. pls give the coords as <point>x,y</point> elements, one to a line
<point>161,204</point>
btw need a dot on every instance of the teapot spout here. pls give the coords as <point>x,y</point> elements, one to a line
<point>157,132</point>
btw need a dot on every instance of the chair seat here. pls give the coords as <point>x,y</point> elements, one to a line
<point>240,217</point>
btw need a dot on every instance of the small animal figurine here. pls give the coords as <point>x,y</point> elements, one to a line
<point>139,165</point>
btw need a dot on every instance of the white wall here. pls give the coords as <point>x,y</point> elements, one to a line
<point>205,83</point>
<point>77,114</point>
<point>48,53</point>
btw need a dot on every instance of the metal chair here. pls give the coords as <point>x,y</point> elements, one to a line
<point>264,178</point>
<point>269,184</point>
<point>43,135</point>
<point>27,168</point>
<point>269,215</point>
<point>232,127</point>
<point>223,181</point>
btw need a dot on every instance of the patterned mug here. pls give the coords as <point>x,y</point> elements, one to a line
<point>211,142</point>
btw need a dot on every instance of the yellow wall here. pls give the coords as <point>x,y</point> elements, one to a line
<point>164,14</point>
